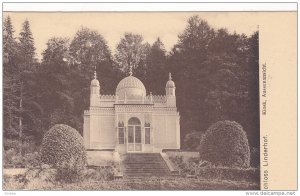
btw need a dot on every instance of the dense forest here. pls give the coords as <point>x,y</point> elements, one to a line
<point>215,72</point>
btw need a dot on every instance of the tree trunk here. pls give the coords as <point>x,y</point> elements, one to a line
<point>20,119</point>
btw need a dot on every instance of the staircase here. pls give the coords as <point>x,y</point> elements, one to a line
<point>144,164</point>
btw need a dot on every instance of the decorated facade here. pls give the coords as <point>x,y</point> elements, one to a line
<point>132,120</point>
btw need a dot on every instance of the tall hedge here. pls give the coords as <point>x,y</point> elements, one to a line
<point>225,143</point>
<point>63,146</point>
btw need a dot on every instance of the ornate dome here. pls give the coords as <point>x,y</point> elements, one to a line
<point>170,83</point>
<point>131,88</point>
<point>95,82</point>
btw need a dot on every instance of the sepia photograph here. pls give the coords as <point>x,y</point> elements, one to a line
<point>131,101</point>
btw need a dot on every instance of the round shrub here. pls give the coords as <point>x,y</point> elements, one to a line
<point>63,147</point>
<point>225,143</point>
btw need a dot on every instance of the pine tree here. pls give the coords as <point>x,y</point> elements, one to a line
<point>26,68</point>
<point>27,48</point>
<point>9,46</point>
<point>10,80</point>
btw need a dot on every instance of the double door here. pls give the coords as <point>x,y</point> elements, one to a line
<point>134,138</point>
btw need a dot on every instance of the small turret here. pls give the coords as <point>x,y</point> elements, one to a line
<point>170,86</point>
<point>95,92</point>
<point>170,92</point>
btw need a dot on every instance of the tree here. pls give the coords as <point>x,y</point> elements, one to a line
<point>54,83</point>
<point>188,63</point>
<point>27,48</point>
<point>89,50</point>
<point>57,52</point>
<point>214,78</point>
<point>10,80</point>
<point>196,36</point>
<point>157,73</point>
<point>252,83</point>
<point>131,52</point>
<point>26,69</point>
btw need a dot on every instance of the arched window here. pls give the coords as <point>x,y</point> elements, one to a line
<point>120,124</point>
<point>147,133</point>
<point>121,133</point>
<point>134,121</point>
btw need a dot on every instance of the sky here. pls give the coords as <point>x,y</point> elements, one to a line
<point>113,25</point>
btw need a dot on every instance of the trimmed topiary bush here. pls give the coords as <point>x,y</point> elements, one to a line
<point>225,143</point>
<point>63,148</point>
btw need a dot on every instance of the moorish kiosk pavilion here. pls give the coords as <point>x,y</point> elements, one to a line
<point>131,121</point>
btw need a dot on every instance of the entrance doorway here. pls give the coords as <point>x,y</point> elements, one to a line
<point>134,135</point>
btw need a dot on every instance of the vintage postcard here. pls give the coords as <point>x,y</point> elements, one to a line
<point>149,96</point>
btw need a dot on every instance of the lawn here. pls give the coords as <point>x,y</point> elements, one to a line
<point>160,184</point>
<point>170,183</point>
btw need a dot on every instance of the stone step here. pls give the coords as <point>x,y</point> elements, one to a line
<point>149,164</point>
<point>147,175</point>
<point>146,172</point>
<point>143,166</point>
<point>142,173</point>
<point>141,159</point>
<point>143,163</point>
<point>143,169</point>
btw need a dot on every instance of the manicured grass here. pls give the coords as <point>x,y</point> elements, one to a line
<point>134,184</point>
<point>162,184</point>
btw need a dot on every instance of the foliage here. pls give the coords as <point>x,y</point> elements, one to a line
<point>10,144</point>
<point>88,49</point>
<point>27,47</point>
<point>42,182</point>
<point>156,68</point>
<point>12,183</point>
<point>189,166</point>
<point>69,171</point>
<point>215,78</point>
<point>233,174</point>
<point>215,72</point>
<point>13,159</point>
<point>63,148</point>
<point>225,143</point>
<point>18,68</point>
<point>57,51</point>
<point>32,160</point>
<point>192,140</point>
<point>207,171</point>
<point>11,82</point>
<point>131,51</point>
<point>255,157</point>
<point>53,77</point>
<point>99,174</point>
<point>155,183</point>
